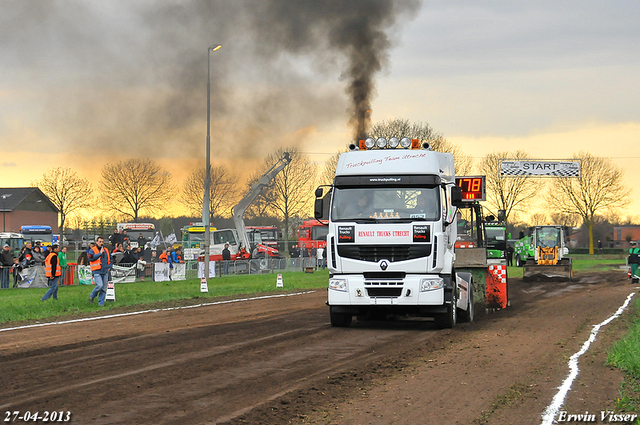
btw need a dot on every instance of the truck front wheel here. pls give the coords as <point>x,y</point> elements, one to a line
<point>339,320</point>
<point>448,320</point>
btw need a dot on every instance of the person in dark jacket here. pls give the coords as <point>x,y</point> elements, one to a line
<point>226,259</point>
<point>634,259</point>
<point>26,255</point>
<point>38,256</point>
<point>6,263</point>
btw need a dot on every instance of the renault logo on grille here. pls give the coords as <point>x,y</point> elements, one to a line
<point>384,264</point>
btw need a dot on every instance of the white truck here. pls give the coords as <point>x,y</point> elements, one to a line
<point>392,229</point>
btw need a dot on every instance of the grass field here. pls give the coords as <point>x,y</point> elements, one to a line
<point>624,355</point>
<point>25,304</point>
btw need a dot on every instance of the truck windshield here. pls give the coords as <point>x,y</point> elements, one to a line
<point>496,237</point>
<point>371,204</point>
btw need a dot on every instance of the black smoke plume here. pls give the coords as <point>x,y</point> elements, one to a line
<point>123,78</point>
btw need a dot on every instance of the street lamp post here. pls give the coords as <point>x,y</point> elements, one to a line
<point>206,212</point>
<point>4,211</point>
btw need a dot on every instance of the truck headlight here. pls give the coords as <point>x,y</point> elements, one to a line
<point>338,285</point>
<point>431,283</point>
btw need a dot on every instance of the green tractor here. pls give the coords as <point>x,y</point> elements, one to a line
<point>496,239</point>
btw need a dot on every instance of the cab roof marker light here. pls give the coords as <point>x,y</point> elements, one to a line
<point>394,142</point>
<point>405,142</point>
<point>381,142</point>
<point>369,142</point>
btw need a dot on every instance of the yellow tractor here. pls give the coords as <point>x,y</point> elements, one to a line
<point>549,258</point>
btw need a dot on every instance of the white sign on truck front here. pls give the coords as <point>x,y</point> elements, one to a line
<point>537,168</point>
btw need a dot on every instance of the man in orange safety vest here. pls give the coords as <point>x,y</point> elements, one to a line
<point>52,271</point>
<point>100,262</point>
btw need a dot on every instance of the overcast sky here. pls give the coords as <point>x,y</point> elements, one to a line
<point>83,83</point>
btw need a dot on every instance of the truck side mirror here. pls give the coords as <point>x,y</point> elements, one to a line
<point>456,196</point>
<point>319,192</point>
<point>318,207</point>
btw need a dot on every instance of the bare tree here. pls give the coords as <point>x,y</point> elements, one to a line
<point>291,192</point>
<point>68,192</point>
<point>135,186</point>
<point>511,193</point>
<point>568,220</point>
<point>425,133</point>
<point>538,219</point>
<point>329,170</point>
<point>598,189</point>
<point>223,193</point>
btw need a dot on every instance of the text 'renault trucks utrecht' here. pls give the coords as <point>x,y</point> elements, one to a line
<point>391,235</point>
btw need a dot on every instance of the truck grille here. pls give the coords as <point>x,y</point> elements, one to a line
<point>375,253</point>
<point>383,289</point>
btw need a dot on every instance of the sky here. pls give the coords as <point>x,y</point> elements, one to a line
<point>85,83</point>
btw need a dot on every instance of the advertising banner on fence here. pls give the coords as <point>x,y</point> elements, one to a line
<point>179,272</point>
<point>160,272</point>
<point>120,274</point>
<point>33,277</point>
<point>85,277</point>
<point>212,269</point>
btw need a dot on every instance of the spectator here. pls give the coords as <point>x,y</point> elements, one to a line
<point>509,255</point>
<point>154,257</point>
<point>53,272</point>
<point>226,259</point>
<point>100,262</point>
<point>320,258</point>
<point>599,246</point>
<point>125,238</point>
<point>141,240</point>
<point>140,263</point>
<point>83,259</point>
<point>163,257</point>
<point>26,255</point>
<point>6,263</point>
<point>38,256</point>
<point>176,256</point>
<point>118,254</point>
<point>146,254</point>
<point>128,257</point>
<point>115,239</point>
<point>62,260</point>
<point>16,272</point>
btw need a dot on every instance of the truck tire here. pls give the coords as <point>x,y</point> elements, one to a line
<point>340,320</point>
<point>448,320</point>
<point>518,261</point>
<point>467,316</point>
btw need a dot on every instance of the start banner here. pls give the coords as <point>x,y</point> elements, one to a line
<point>539,168</point>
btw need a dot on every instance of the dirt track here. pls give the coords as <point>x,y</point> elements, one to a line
<point>278,360</point>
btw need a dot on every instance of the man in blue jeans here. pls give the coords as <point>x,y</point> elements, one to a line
<point>53,271</point>
<point>100,262</point>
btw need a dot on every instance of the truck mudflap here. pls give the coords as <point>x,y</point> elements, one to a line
<point>496,278</point>
<point>562,271</point>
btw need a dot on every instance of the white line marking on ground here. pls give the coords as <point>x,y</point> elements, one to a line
<point>551,410</point>
<point>110,316</point>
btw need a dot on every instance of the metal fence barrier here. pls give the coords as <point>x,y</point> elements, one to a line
<point>234,267</point>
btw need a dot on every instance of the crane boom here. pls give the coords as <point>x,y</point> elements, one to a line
<point>254,191</point>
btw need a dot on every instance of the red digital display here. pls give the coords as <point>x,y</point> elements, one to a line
<point>473,188</point>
